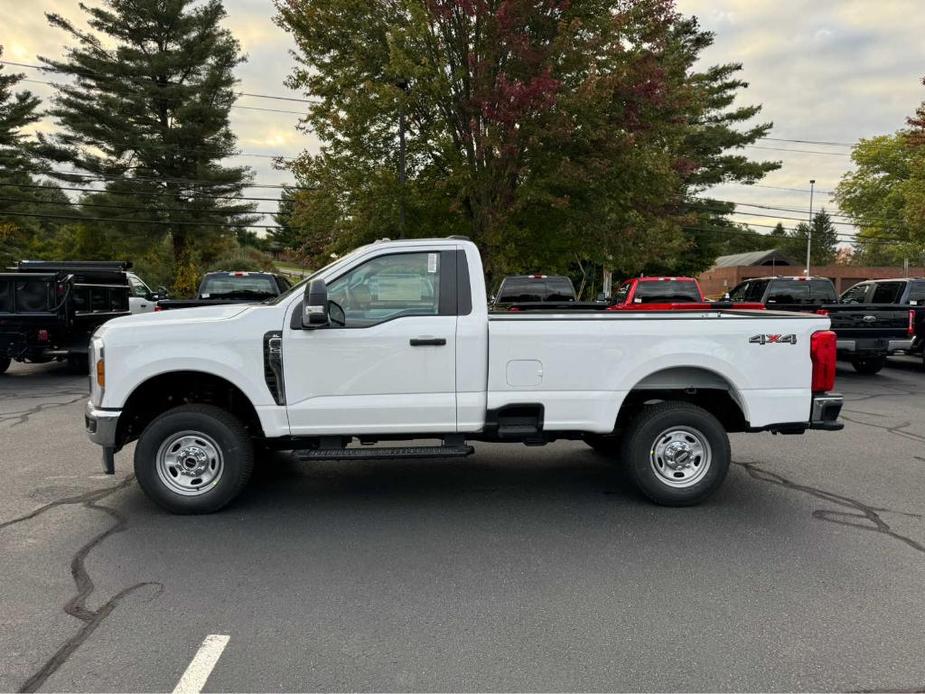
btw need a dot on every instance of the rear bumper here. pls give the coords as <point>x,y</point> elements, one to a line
<point>873,347</point>
<point>825,410</point>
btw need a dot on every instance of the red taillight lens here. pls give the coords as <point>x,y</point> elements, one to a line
<point>157,308</point>
<point>822,350</point>
<point>822,312</point>
<point>42,336</point>
<point>910,331</point>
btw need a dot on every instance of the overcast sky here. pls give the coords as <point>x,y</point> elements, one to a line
<point>829,70</point>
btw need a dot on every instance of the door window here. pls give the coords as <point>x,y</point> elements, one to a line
<point>139,288</point>
<point>856,295</point>
<point>917,293</point>
<point>823,291</point>
<point>387,287</point>
<point>887,293</point>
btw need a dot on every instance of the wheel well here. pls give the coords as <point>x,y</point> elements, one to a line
<point>700,387</point>
<point>166,391</point>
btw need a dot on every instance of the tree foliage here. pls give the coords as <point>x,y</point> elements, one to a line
<point>553,133</point>
<point>146,112</point>
<point>885,194</point>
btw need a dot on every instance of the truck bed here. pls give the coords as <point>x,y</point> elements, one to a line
<point>574,362</point>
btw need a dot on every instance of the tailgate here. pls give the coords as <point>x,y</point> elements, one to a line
<point>869,321</point>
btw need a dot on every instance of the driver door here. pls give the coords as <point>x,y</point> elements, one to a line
<point>392,367</point>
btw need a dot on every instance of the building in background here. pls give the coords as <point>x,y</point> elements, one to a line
<point>729,270</point>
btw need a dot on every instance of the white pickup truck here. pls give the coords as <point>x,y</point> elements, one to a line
<point>395,342</point>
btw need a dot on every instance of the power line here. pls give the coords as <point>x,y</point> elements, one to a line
<point>800,151</point>
<point>138,221</point>
<point>132,193</point>
<point>810,142</point>
<point>250,94</point>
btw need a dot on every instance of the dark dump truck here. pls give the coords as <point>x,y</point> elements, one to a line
<point>867,332</point>
<point>230,287</point>
<point>49,310</point>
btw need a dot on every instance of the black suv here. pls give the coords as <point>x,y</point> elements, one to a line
<point>786,293</point>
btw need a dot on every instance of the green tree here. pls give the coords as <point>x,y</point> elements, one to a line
<point>555,134</point>
<point>146,111</point>
<point>824,244</point>
<point>885,196</point>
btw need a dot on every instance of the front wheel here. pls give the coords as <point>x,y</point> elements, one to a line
<point>869,365</point>
<point>677,453</point>
<point>194,459</point>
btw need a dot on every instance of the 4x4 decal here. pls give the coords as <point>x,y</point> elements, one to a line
<point>773,339</point>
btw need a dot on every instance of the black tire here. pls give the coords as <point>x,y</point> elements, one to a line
<point>220,429</point>
<point>869,365</point>
<point>609,446</point>
<point>4,364</point>
<point>652,426</point>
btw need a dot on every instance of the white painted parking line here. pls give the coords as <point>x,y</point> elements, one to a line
<point>194,679</point>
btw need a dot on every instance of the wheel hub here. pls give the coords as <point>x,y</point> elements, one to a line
<point>189,463</point>
<point>680,456</point>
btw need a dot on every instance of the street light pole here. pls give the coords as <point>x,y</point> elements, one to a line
<point>403,85</point>
<point>809,234</point>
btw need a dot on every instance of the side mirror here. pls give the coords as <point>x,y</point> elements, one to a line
<point>161,293</point>
<point>315,305</point>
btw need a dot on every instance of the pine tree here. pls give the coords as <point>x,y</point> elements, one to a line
<point>17,111</point>
<point>147,111</point>
<point>824,243</point>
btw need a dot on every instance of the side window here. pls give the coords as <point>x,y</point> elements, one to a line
<point>887,293</point>
<point>622,293</point>
<point>740,291</point>
<point>387,287</point>
<point>559,289</point>
<point>917,293</point>
<point>138,287</point>
<point>856,295</point>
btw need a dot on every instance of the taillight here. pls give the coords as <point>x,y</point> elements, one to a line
<point>157,308</point>
<point>822,348</point>
<point>822,312</point>
<point>910,329</point>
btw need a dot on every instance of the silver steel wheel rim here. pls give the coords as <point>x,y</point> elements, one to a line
<point>680,457</point>
<point>189,463</point>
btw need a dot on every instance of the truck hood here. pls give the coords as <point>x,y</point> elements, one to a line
<point>202,314</point>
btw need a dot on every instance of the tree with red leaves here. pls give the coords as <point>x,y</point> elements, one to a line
<point>553,132</point>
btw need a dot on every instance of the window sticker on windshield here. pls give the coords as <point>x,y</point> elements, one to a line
<point>431,263</point>
<point>205,296</point>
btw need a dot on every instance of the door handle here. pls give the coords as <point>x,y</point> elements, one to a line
<point>424,341</point>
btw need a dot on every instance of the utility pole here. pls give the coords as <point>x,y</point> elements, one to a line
<point>403,85</point>
<point>809,235</point>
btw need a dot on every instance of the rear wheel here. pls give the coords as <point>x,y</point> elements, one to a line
<point>869,365</point>
<point>194,459</point>
<point>677,453</point>
<point>4,364</point>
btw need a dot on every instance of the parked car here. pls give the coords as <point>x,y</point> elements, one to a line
<point>667,294</point>
<point>198,389</point>
<point>231,288</point>
<point>523,291</point>
<point>142,299</point>
<point>48,310</point>
<point>867,333</point>
<point>904,291</point>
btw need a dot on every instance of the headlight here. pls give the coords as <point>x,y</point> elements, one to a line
<point>97,371</point>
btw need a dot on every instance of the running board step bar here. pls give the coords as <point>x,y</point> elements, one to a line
<point>384,453</point>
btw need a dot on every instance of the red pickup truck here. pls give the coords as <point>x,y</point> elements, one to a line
<point>667,294</point>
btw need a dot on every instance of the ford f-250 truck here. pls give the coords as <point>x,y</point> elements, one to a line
<point>394,342</point>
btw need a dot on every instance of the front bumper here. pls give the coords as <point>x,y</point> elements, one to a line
<point>825,411</point>
<point>101,425</point>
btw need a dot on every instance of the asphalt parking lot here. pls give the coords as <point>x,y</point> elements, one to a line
<point>517,569</point>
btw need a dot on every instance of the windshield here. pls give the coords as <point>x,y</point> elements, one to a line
<point>237,284</point>
<point>300,286</point>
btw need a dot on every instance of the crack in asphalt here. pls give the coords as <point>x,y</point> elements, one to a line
<point>77,605</point>
<point>22,416</point>
<point>896,430</point>
<point>855,518</point>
